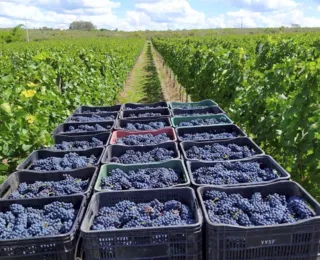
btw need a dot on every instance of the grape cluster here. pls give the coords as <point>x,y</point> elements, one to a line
<point>155,155</point>
<point>148,178</point>
<point>143,108</point>
<point>274,209</point>
<point>93,118</point>
<point>143,139</point>
<point>147,126</point>
<point>42,189</point>
<point>68,162</point>
<point>26,222</point>
<point>86,128</point>
<point>127,214</point>
<point>194,113</point>
<point>77,145</point>
<point>145,115</point>
<point>97,110</point>
<point>203,122</point>
<point>208,136</point>
<point>218,151</point>
<point>189,106</point>
<point>233,173</point>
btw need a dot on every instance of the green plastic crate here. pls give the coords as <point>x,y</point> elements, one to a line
<point>206,103</point>
<point>174,164</point>
<point>178,119</point>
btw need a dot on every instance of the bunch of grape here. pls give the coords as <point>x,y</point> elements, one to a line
<point>93,118</point>
<point>143,139</point>
<point>97,110</point>
<point>68,162</point>
<point>208,136</point>
<point>149,126</point>
<point>218,151</point>
<point>127,214</point>
<point>77,145</point>
<point>149,178</point>
<point>203,122</point>
<point>189,106</point>
<point>26,222</point>
<point>274,209</point>
<point>155,155</point>
<point>42,189</point>
<point>145,115</point>
<point>233,173</point>
<point>86,128</point>
<point>143,108</point>
<point>194,113</point>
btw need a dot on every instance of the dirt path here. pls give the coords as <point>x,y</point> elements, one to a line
<point>150,81</point>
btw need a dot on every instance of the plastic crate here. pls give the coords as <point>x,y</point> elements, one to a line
<point>179,119</point>
<point>94,109</point>
<point>103,137</point>
<point>42,154</point>
<point>241,141</point>
<point>152,243</point>
<point>206,102</point>
<point>120,134</point>
<point>60,247</point>
<point>118,150</point>
<point>126,114</point>
<point>192,112</point>
<point>173,164</point>
<point>209,129</point>
<point>121,123</point>
<point>277,242</point>
<point>265,161</point>
<point>115,114</point>
<point>61,129</point>
<point>139,106</point>
<point>13,181</point>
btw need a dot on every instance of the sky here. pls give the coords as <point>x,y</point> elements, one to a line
<point>161,14</point>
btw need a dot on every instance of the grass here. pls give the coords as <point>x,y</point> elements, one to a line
<point>143,85</point>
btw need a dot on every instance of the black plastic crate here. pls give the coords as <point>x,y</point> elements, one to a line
<point>277,242</point>
<point>60,247</point>
<point>97,109</point>
<point>42,154</point>
<point>61,129</point>
<point>13,181</point>
<point>174,242</point>
<point>265,161</point>
<point>139,106</point>
<point>241,141</point>
<point>105,114</point>
<point>118,150</point>
<point>209,129</point>
<point>126,114</point>
<point>103,137</point>
<point>201,111</point>
<point>121,123</point>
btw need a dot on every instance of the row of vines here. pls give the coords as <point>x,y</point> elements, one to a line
<point>269,85</point>
<point>42,83</point>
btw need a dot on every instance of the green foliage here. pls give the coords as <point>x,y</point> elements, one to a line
<point>14,35</point>
<point>42,83</point>
<point>82,26</point>
<point>269,85</point>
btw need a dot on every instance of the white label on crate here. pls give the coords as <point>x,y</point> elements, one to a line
<point>268,242</point>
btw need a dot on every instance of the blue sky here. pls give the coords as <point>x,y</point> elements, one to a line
<point>161,14</point>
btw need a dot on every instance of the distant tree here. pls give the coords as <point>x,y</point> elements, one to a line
<point>82,26</point>
<point>14,35</point>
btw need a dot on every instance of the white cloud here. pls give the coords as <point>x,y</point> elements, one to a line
<point>152,14</point>
<point>265,5</point>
